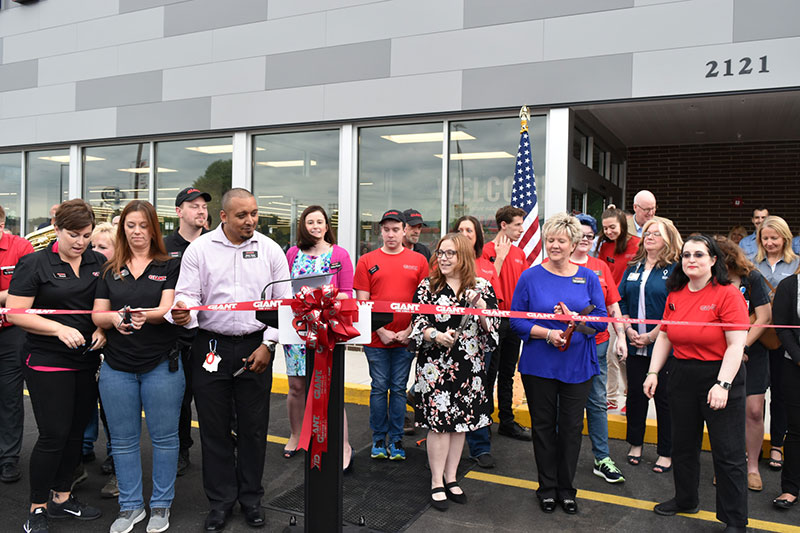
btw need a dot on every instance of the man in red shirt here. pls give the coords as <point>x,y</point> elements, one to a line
<point>509,262</point>
<point>390,273</point>
<point>12,248</point>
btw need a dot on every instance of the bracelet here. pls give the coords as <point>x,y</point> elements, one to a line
<point>653,373</point>
<point>547,337</point>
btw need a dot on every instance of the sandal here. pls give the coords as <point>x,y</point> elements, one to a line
<point>775,464</point>
<point>634,460</point>
<point>288,454</point>
<point>661,469</point>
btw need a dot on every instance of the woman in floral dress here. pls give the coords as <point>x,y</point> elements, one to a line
<point>451,369</point>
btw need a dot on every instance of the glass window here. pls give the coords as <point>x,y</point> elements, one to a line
<point>115,175</point>
<point>205,164</point>
<point>47,184</point>
<point>482,165</point>
<point>579,146</point>
<point>576,201</point>
<point>290,172</point>
<point>595,204</point>
<point>10,187</point>
<point>399,167</point>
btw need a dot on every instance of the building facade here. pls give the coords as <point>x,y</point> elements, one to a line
<point>365,105</point>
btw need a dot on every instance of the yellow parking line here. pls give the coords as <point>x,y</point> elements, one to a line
<point>625,502</point>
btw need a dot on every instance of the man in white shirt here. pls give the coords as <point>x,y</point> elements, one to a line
<point>231,264</point>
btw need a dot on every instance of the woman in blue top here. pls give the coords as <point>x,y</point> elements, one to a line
<point>556,382</point>
<point>644,293</point>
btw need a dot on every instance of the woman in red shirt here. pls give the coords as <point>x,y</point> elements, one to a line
<point>707,382</point>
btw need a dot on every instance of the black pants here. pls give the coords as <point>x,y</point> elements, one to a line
<point>185,421</point>
<point>790,475</point>
<point>11,413</point>
<point>637,404</point>
<point>230,475</point>
<point>688,402</point>
<point>777,409</point>
<point>62,404</point>
<point>557,420</point>
<point>503,366</point>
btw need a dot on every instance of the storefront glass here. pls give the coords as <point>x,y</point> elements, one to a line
<point>47,184</point>
<point>115,175</point>
<point>10,189</point>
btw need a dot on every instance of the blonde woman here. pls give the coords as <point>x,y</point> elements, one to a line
<point>776,261</point>
<point>104,239</point>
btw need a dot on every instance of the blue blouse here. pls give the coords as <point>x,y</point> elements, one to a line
<point>539,290</point>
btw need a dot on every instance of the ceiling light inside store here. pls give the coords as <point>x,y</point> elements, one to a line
<point>272,196</point>
<point>145,170</point>
<point>65,158</point>
<point>478,155</point>
<point>436,136</point>
<point>366,183</point>
<point>290,163</point>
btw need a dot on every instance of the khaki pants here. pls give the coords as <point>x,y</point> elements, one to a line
<point>617,384</point>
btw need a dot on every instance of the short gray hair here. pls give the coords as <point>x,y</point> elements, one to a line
<point>563,223</point>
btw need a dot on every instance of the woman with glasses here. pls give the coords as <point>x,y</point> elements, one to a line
<point>451,367</point>
<point>776,260</point>
<point>644,293</point>
<point>706,382</point>
<point>558,360</point>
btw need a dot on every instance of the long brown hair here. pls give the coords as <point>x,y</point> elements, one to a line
<point>478,232</point>
<point>671,253</point>
<point>465,267</point>
<point>304,238</point>
<point>622,241</point>
<point>735,259</point>
<point>122,250</point>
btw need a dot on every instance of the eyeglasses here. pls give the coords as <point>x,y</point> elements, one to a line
<point>446,253</point>
<point>696,255</point>
<point>647,234</point>
<point>646,209</point>
<point>587,236</point>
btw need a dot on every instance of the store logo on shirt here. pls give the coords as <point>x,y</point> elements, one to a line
<point>709,307</point>
<point>96,274</point>
<point>411,267</point>
<point>157,278</point>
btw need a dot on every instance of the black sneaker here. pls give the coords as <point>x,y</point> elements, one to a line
<point>72,508</point>
<point>108,466</point>
<point>37,522</point>
<point>484,460</point>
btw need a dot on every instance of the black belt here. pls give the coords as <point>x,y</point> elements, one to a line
<point>235,338</point>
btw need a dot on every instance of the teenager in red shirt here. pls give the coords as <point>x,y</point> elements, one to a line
<point>707,382</point>
<point>390,273</point>
<point>509,263</point>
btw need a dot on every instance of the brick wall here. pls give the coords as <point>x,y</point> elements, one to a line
<point>695,185</point>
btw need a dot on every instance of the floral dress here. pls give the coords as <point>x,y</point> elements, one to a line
<point>304,265</point>
<point>451,388</point>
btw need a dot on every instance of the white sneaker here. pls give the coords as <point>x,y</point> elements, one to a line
<point>159,520</point>
<point>126,520</point>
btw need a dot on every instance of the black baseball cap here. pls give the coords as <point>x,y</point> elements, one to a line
<point>190,193</point>
<point>413,217</point>
<point>393,214</point>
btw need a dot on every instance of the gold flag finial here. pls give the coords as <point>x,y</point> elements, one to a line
<point>524,118</point>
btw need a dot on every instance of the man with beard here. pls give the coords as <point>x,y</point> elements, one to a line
<point>414,224</point>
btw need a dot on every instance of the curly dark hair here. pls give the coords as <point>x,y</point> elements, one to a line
<point>719,272</point>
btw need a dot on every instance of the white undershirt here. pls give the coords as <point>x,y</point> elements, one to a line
<point>642,312</point>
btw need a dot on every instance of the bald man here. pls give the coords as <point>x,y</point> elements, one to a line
<point>644,208</point>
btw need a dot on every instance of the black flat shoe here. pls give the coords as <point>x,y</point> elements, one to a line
<point>548,505</point>
<point>439,505</point>
<point>569,505</point>
<point>782,503</point>
<point>349,468</point>
<point>671,508</point>
<point>253,515</point>
<point>215,520</point>
<point>457,498</point>
<point>515,431</point>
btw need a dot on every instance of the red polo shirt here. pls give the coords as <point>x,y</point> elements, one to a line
<point>12,248</point>
<point>513,267</point>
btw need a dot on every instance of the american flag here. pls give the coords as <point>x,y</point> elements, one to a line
<point>523,195</point>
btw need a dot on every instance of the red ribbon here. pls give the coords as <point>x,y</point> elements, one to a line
<point>321,320</point>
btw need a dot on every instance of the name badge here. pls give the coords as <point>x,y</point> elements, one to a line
<point>60,275</point>
<point>7,270</point>
<point>374,269</point>
<point>252,254</point>
<point>610,259</point>
<point>578,280</point>
<point>633,276</point>
<point>175,254</point>
<point>122,273</point>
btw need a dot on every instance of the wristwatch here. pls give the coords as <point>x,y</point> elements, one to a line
<point>270,345</point>
<point>433,334</point>
<point>724,384</point>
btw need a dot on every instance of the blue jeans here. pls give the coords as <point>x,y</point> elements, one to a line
<point>160,393</point>
<point>479,441</point>
<point>388,368</point>
<point>91,433</point>
<point>596,408</point>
